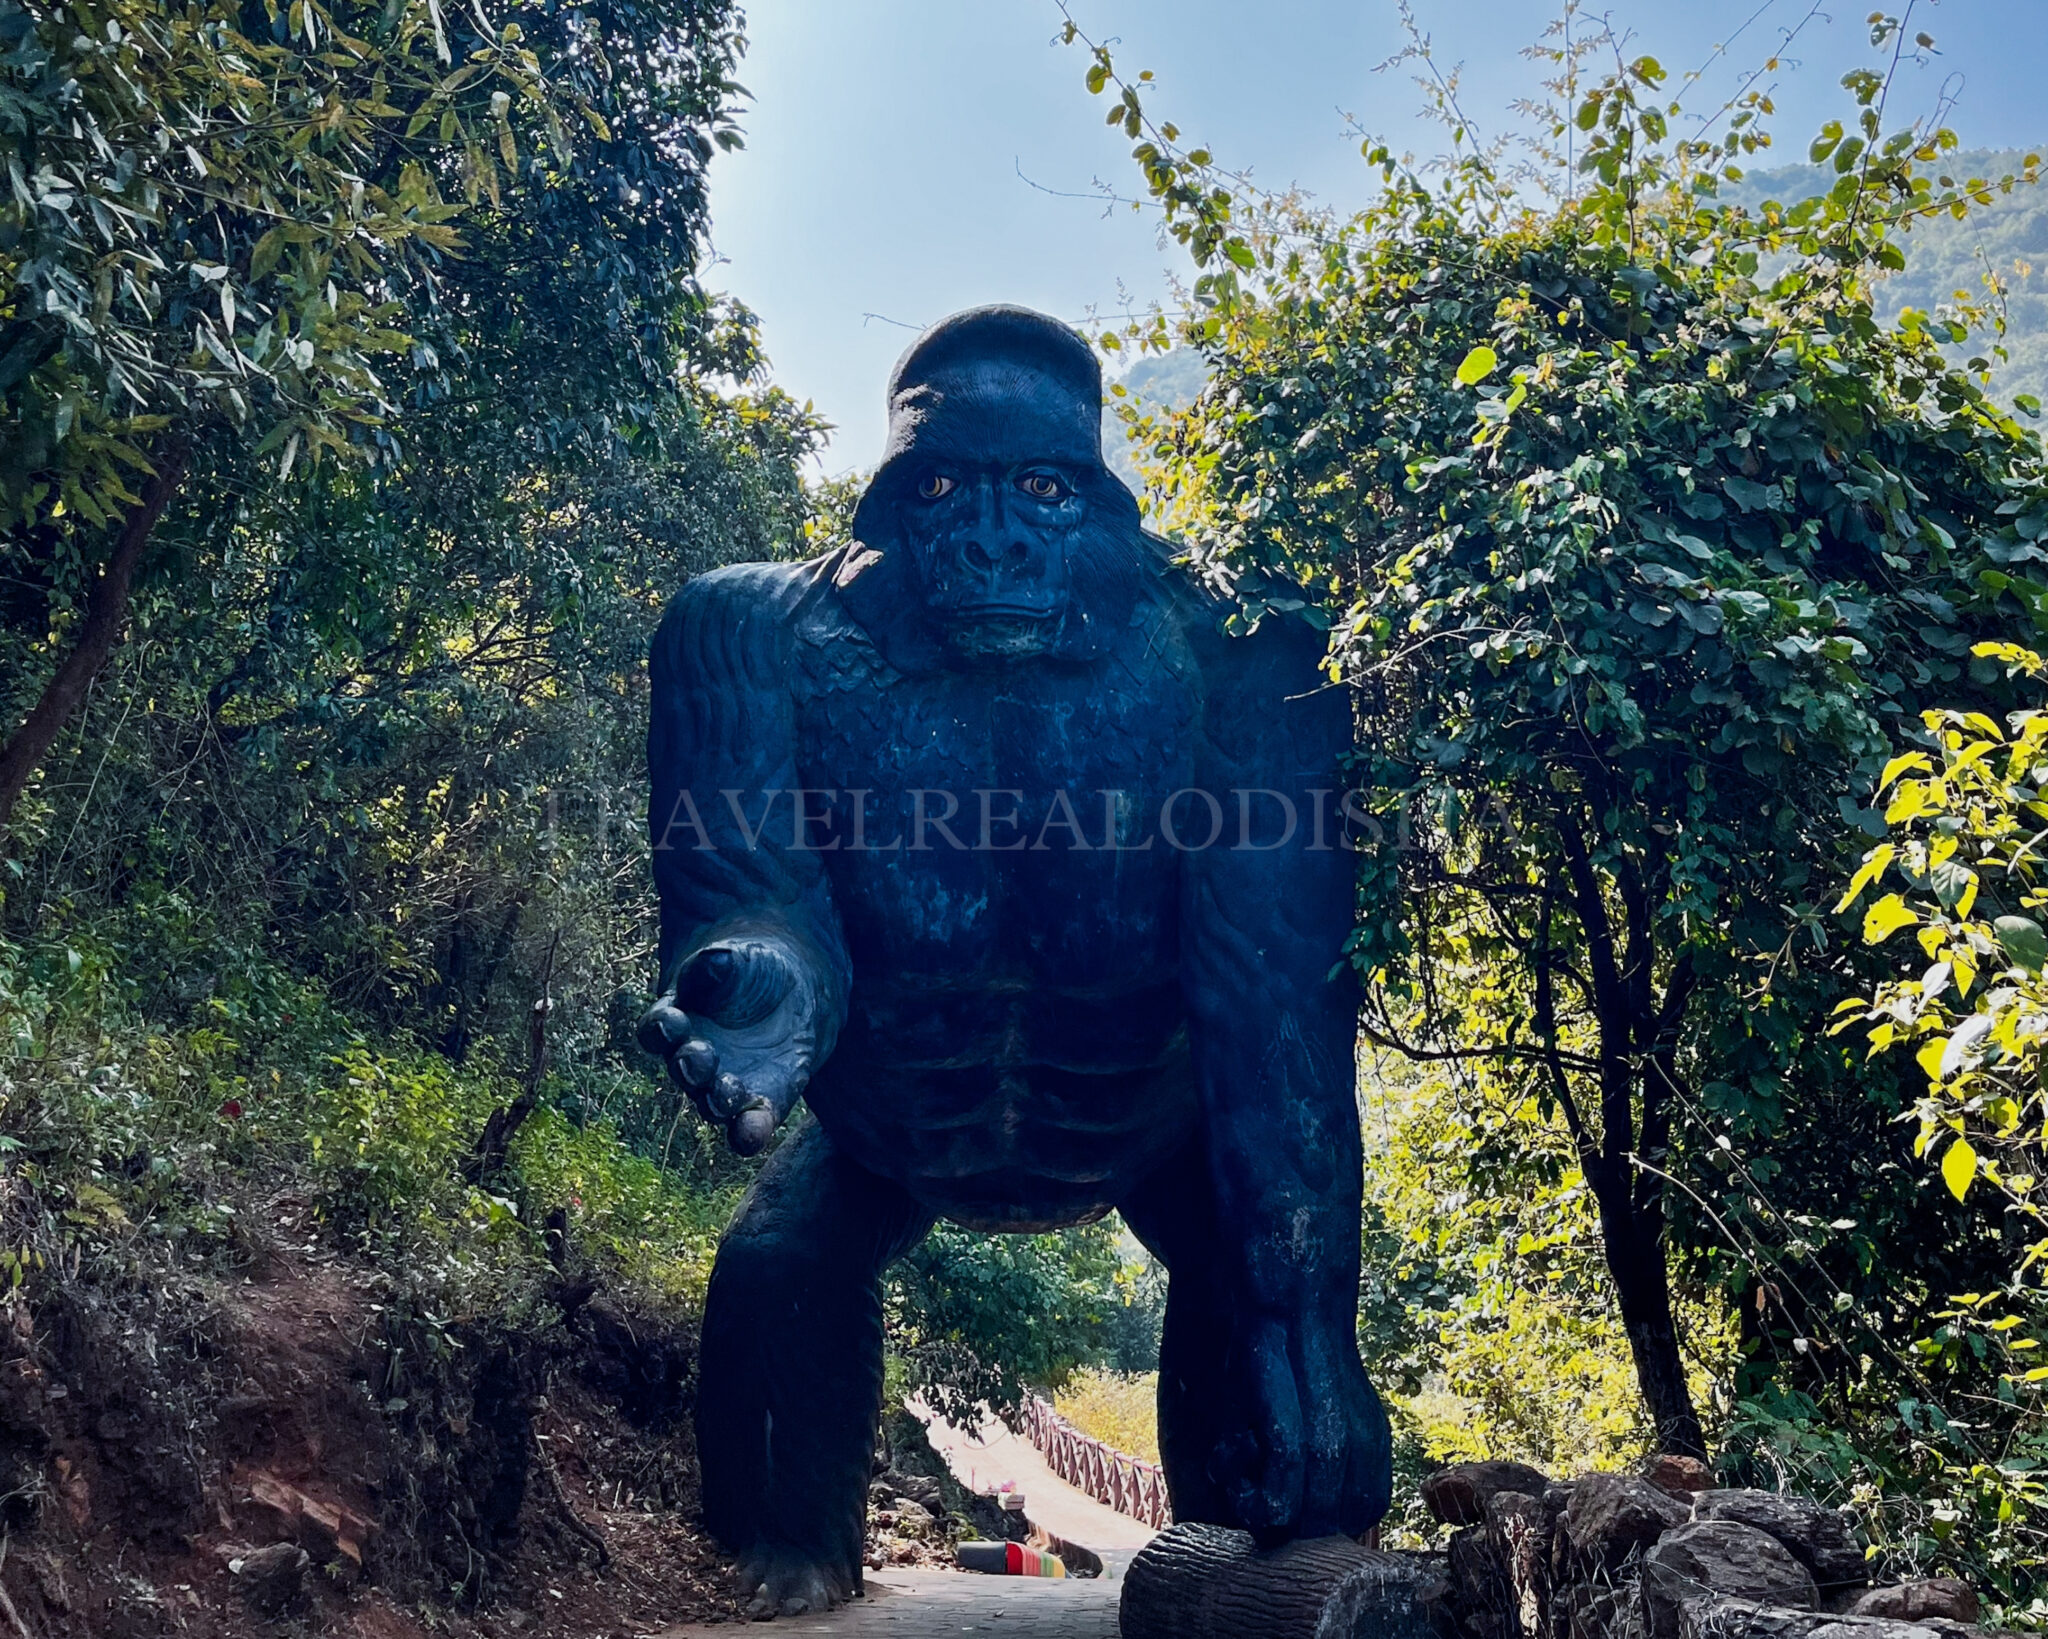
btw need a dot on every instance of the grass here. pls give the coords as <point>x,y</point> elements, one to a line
<point>1119,1411</point>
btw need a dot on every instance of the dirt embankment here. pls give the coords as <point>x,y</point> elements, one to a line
<point>287,1448</point>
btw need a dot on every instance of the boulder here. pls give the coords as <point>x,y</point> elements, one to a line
<point>1819,1538</point>
<point>1594,1609</point>
<point>1457,1495</point>
<point>1681,1476</point>
<point>1939,1598</point>
<point>1719,1559</point>
<point>1612,1515</point>
<point>1518,1531</point>
<point>1480,1594</point>
<point>1743,1619</point>
<point>272,1578</point>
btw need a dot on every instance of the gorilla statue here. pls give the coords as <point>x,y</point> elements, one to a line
<point>980,835</point>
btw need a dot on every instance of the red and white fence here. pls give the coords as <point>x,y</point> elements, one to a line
<point>1127,1484</point>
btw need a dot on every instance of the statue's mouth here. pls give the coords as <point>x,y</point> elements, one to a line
<point>1000,632</point>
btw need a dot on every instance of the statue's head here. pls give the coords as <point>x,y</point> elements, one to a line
<point>992,483</point>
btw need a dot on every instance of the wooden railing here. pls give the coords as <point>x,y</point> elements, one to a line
<point>1127,1484</point>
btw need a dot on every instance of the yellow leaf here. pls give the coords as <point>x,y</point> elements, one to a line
<point>1908,802</point>
<point>1929,1059</point>
<point>1899,764</point>
<point>1885,918</point>
<point>1964,961</point>
<point>1873,867</point>
<point>1959,1168</point>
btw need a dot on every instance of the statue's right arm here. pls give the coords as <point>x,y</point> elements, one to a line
<point>754,974</point>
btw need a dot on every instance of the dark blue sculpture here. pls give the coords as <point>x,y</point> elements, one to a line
<point>981,836</point>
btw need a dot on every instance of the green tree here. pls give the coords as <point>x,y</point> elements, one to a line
<point>229,229</point>
<point>1635,556</point>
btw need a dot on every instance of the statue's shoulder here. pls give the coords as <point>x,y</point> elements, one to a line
<point>742,619</point>
<point>1201,605</point>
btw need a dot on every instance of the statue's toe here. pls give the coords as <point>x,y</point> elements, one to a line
<point>785,1583</point>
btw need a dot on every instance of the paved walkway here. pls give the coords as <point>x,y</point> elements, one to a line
<point>918,1604</point>
<point>990,1456</point>
<point>908,1604</point>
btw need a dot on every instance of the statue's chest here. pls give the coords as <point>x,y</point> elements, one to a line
<point>993,826</point>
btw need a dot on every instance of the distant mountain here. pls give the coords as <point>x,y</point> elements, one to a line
<point>1945,256</point>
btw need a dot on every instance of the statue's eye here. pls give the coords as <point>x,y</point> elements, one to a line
<point>931,486</point>
<point>1041,486</point>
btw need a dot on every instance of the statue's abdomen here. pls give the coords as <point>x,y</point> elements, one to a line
<point>1015,1051</point>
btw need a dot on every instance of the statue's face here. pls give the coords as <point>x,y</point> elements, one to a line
<point>991,533</point>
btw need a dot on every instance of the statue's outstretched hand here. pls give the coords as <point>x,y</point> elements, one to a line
<point>739,1035</point>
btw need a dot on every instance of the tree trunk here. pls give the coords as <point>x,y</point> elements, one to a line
<point>1635,1258</point>
<point>106,609</point>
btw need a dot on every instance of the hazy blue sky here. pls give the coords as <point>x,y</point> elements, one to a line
<point>885,139</point>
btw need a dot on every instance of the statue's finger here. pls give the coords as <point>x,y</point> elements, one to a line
<point>751,1129</point>
<point>696,1064</point>
<point>662,1028</point>
<point>729,1096</point>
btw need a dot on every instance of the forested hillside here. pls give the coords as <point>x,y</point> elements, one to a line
<point>1995,255</point>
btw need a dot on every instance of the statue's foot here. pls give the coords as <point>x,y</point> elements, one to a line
<point>785,1582</point>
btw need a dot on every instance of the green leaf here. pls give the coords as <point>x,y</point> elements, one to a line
<point>2024,941</point>
<point>1478,365</point>
<point>264,257</point>
<point>1959,1168</point>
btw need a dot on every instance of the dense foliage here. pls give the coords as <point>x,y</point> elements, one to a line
<point>1961,869</point>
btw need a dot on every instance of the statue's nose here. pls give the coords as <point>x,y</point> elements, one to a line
<point>1009,555</point>
<point>991,545</point>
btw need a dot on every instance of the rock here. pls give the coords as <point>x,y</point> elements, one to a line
<point>1681,1476</point>
<point>1593,1610</point>
<point>1819,1538</point>
<point>1743,1619</point>
<point>271,1578</point>
<point>1480,1591</point>
<point>909,1508</point>
<point>1457,1495</point>
<point>1518,1530</point>
<point>922,1487</point>
<point>1719,1558</point>
<point>879,1494</point>
<point>1937,1598</point>
<point>1610,1515</point>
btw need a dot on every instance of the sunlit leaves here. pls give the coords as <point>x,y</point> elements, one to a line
<point>1959,1167</point>
<point>1885,918</point>
<point>1477,365</point>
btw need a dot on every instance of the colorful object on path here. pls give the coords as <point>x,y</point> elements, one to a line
<point>1008,1559</point>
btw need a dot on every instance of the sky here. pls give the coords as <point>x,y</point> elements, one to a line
<point>908,158</point>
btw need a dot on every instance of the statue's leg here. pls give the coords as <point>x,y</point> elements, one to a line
<point>1173,1215</point>
<point>790,1371</point>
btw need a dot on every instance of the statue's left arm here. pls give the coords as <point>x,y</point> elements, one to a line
<point>1273,1036</point>
<point>754,973</point>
